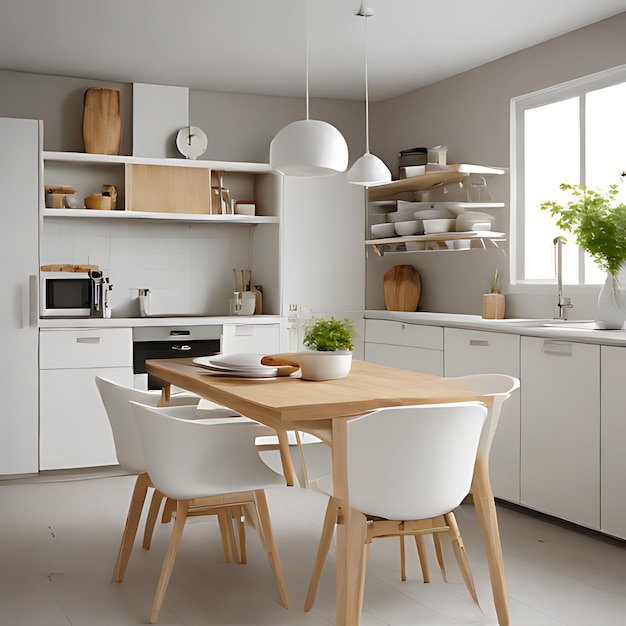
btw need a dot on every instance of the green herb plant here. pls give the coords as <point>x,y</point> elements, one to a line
<point>329,335</point>
<point>598,223</point>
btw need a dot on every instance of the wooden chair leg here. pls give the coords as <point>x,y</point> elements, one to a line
<point>182,506</point>
<point>421,551</point>
<point>168,510</point>
<point>439,553</point>
<point>223,519</point>
<point>130,528</point>
<point>264,528</point>
<point>328,527</point>
<point>153,513</point>
<point>402,558</point>
<point>461,556</point>
<point>241,534</point>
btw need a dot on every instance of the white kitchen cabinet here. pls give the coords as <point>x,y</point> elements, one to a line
<point>19,252</point>
<point>479,352</point>
<point>408,346</point>
<point>613,441</point>
<point>256,338</point>
<point>560,434</point>
<point>74,428</point>
<point>322,253</point>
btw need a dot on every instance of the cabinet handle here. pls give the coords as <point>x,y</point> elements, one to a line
<point>182,348</point>
<point>479,342</point>
<point>33,301</point>
<point>557,348</point>
<point>95,340</point>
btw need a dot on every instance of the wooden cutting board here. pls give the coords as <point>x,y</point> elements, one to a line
<point>102,121</point>
<point>402,287</point>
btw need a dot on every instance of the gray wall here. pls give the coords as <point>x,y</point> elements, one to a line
<point>469,113</point>
<point>239,127</point>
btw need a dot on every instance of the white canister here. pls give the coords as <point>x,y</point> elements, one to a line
<point>242,303</point>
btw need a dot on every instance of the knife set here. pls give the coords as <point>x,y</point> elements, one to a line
<point>245,300</point>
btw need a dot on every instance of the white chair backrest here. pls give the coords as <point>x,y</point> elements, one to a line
<point>499,387</point>
<point>116,400</point>
<point>413,462</point>
<point>190,459</point>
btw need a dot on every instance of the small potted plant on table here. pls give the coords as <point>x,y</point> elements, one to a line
<point>330,346</point>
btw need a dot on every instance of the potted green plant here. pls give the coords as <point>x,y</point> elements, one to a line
<point>329,344</point>
<point>599,226</point>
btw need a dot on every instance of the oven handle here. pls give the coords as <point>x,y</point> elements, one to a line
<point>183,348</point>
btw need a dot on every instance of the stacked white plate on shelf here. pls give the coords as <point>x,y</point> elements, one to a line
<point>240,365</point>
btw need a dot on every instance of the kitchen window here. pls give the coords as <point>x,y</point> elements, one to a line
<point>570,133</point>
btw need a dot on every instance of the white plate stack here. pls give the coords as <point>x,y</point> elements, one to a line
<point>240,365</point>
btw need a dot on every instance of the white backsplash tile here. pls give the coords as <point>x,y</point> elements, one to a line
<point>187,267</point>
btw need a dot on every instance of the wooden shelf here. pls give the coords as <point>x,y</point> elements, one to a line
<point>172,217</point>
<point>429,180</point>
<point>381,244</point>
<point>230,166</point>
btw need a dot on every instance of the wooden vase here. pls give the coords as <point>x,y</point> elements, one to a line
<point>102,121</point>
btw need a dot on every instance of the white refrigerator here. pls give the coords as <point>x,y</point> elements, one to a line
<point>20,185</point>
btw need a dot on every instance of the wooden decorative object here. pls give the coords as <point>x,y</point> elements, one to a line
<point>102,121</point>
<point>168,189</point>
<point>402,288</point>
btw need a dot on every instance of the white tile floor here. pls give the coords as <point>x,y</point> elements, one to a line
<point>58,542</point>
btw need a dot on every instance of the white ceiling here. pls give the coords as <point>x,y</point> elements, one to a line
<point>258,46</point>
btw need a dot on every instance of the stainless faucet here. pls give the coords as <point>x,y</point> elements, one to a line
<point>562,304</point>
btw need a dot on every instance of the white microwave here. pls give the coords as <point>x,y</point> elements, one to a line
<point>66,294</point>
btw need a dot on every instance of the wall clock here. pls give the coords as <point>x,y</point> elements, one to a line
<point>191,142</point>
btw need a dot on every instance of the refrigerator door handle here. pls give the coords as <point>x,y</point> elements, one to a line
<point>33,302</point>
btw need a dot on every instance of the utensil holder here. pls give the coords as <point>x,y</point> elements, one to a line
<point>493,306</point>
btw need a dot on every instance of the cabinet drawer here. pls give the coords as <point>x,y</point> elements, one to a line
<point>404,334</point>
<point>78,348</point>
<point>261,338</point>
<point>480,352</point>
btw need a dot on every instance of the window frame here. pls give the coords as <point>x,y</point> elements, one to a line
<point>576,88</point>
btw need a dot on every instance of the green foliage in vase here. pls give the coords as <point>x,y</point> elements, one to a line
<point>598,223</point>
<point>329,335</point>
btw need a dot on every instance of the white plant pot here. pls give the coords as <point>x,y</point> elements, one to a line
<point>324,365</point>
<point>612,302</point>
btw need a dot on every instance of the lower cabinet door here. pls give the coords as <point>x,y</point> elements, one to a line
<point>260,338</point>
<point>560,464</point>
<point>613,441</point>
<point>406,358</point>
<point>74,429</point>
<point>479,352</point>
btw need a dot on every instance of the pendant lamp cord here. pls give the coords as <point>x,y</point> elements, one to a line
<point>306,45</point>
<point>367,106</point>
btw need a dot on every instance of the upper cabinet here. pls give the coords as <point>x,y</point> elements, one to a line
<point>162,189</point>
<point>398,211</point>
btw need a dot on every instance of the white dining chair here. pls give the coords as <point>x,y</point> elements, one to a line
<point>499,388</point>
<point>129,451</point>
<point>408,468</point>
<point>211,462</point>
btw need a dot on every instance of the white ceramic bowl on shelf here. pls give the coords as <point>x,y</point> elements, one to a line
<point>410,227</point>
<point>382,230</point>
<point>432,227</point>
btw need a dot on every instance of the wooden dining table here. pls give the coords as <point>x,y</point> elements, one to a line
<point>322,408</point>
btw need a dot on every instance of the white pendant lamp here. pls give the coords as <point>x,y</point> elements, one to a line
<point>368,170</point>
<point>309,147</point>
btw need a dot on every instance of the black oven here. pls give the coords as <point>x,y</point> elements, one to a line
<point>170,343</point>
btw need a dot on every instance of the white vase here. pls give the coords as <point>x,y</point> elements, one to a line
<point>612,302</point>
<point>324,365</point>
